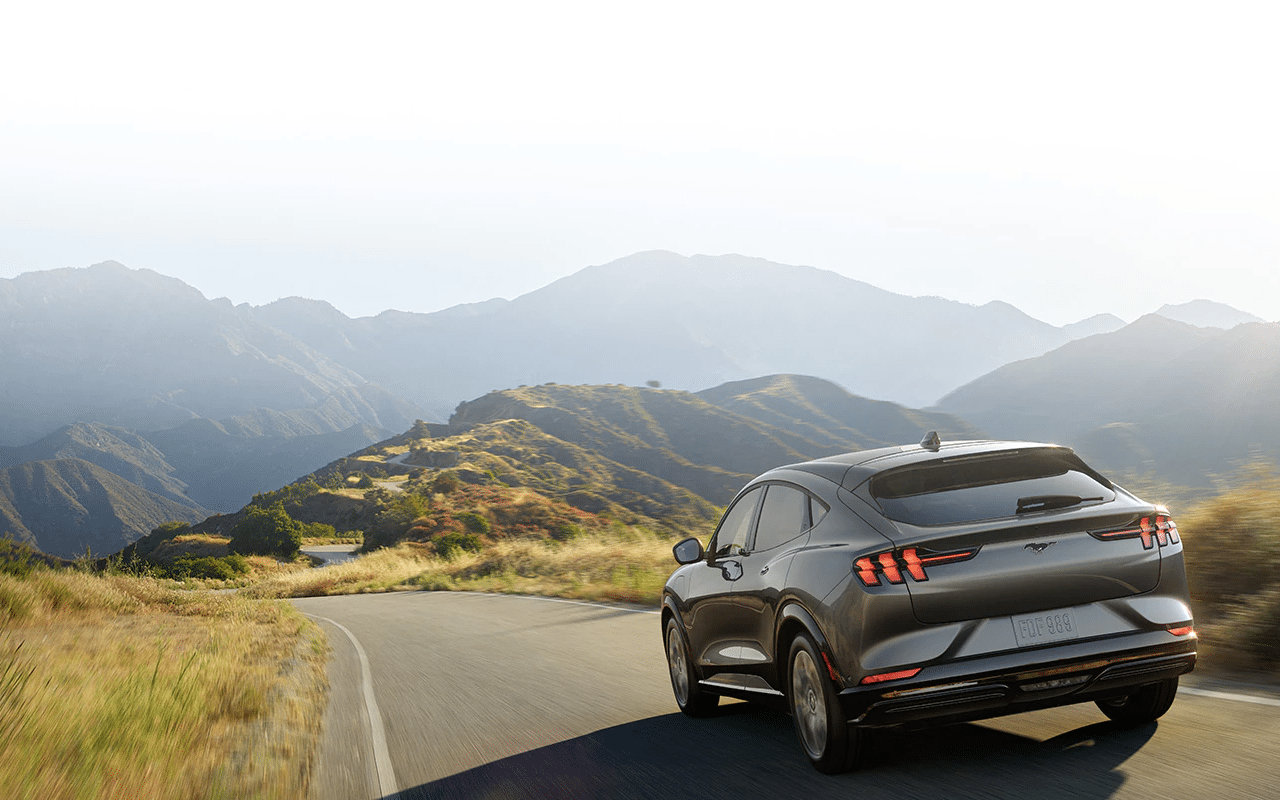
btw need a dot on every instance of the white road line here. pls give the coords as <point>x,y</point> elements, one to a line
<point>381,756</point>
<point>1239,698</point>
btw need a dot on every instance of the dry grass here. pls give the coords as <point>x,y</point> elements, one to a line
<point>626,566</point>
<point>139,690</point>
<point>379,571</point>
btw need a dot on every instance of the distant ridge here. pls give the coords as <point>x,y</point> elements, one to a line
<point>68,507</point>
<point>689,322</point>
<point>1207,314</point>
<point>1157,398</point>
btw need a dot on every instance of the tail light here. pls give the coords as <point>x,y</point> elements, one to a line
<point>1181,630</point>
<point>1158,528</point>
<point>912,560</point>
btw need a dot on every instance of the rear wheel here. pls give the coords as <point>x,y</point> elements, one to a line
<point>690,697</point>
<point>1144,705</point>
<point>828,739</point>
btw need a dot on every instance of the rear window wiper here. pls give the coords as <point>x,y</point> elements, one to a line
<point>1044,502</point>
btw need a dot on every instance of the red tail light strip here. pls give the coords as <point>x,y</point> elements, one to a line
<point>1159,529</point>
<point>889,566</point>
<point>892,564</point>
<point>1181,630</point>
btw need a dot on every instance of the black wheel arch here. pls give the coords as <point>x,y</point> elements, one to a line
<point>793,618</point>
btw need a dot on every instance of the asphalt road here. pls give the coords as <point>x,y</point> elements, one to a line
<point>488,697</point>
<point>331,553</point>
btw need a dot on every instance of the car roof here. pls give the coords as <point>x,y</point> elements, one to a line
<point>852,469</point>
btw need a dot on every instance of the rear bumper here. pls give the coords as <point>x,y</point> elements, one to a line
<point>1022,681</point>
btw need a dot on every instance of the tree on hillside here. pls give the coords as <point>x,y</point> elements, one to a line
<point>267,531</point>
<point>653,384</point>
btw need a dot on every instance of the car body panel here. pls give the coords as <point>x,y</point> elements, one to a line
<point>971,622</point>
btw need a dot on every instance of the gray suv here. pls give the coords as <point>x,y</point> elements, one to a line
<point>930,583</point>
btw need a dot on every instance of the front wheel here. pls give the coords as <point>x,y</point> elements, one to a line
<point>829,741</point>
<point>690,697</point>
<point>1144,705</point>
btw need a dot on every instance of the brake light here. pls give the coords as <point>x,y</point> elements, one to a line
<point>912,560</point>
<point>890,676</point>
<point>889,566</point>
<point>1159,529</point>
<point>1181,630</point>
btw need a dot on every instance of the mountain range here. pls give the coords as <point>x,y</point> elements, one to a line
<point>1157,398</point>
<point>201,403</point>
<point>690,323</point>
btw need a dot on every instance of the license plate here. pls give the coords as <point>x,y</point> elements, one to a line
<point>1051,626</point>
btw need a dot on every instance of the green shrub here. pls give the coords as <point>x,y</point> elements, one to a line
<point>450,545</point>
<point>17,558</point>
<point>319,530</point>
<point>445,483</point>
<point>224,568</point>
<point>293,493</point>
<point>565,532</point>
<point>266,531</point>
<point>474,522</point>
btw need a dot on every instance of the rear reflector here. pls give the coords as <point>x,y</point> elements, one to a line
<point>1182,630</point>
<point>830,669</point>
<point>890,676</point>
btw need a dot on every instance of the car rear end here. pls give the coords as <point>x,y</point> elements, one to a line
<point>1012,577</point>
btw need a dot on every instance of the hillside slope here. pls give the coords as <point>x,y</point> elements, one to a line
<point>69,506</point>
<point>666,455</point>
<point>1157,397</point>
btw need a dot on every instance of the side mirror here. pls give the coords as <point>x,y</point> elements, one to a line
<point>687,551</point>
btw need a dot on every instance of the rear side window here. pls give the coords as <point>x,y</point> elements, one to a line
<point>989,486</point>
<point>784,516</point>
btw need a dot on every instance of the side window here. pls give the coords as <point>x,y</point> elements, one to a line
<point>785,516</point>
<point>817,510</point>
<point>734,529</point>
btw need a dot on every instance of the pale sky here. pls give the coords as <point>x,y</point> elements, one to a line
<point>1069,158</point>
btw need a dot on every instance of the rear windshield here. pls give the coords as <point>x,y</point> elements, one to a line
<point>988,486</point>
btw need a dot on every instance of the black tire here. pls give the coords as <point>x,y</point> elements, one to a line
<point>1144,705</point>
<point>831,744</point>
<point>690,696</point>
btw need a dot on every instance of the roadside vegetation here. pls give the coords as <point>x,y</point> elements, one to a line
<point>114,685</point>
<point>625,565</point>
<point>1232,544</point>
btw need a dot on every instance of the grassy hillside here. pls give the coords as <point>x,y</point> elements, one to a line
<point>552,462</point>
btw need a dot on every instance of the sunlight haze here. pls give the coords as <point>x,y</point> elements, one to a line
<point>1070,160</point>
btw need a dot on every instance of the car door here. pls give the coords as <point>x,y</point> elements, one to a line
<point>714,623</point>
<point>783,518</point>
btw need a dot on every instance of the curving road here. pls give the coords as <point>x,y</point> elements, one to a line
<point>488,697</point>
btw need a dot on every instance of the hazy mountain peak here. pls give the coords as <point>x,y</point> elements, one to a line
<point>302,307</point>
<point>1098,323</point>
<point>1207,314</point>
